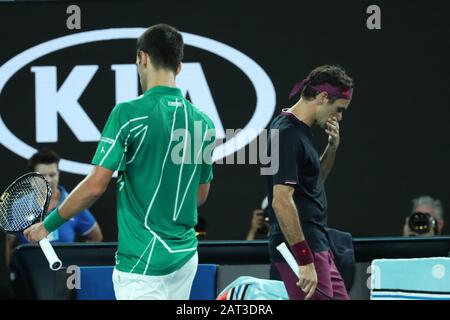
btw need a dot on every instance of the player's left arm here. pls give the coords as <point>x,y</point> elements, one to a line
<point>202,193</point>
<point>329,155</point>
<point>82,197</point>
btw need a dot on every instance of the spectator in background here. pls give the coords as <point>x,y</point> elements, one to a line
<point>46,161</point>
<point>426,219</point>
<point>259,227</point>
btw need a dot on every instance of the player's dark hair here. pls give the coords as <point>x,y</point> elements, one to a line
<point>43,156</point>
<point>164,44</point>
<point>332,74</point>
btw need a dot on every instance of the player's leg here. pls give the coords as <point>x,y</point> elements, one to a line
<point>339,289</point>
<point>322,265</point>
<point>130,286</point>
<point>180,284</point>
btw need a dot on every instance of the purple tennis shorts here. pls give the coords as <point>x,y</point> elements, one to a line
<point>329,279</point>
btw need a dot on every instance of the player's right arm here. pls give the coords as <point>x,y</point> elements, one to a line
<point>107,159</point>
<point>286,212</point>
<point>82,197</point>
<point>288,219</point>
<point>202,193</point>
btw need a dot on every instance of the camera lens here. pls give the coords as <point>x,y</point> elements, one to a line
<point>421,223</point>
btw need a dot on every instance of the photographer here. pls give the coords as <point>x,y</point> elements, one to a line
<point>259,227</point>
<point>426,219</point>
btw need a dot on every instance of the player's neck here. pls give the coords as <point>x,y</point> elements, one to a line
<point>161,78</point>
<point>303,111</point>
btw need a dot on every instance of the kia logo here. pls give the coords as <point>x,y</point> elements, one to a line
<point>63,101</point>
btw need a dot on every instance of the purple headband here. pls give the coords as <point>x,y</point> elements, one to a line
<point>328,88</point>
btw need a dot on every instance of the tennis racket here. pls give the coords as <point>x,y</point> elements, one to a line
<point>24,203</point>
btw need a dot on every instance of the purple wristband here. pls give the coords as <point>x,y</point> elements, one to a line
<point>302,253</point>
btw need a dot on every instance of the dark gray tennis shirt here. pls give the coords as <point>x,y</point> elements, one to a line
<point>299,167</point>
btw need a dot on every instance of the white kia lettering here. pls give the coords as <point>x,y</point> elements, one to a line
<point>64,101</point>
<point>50,101</point>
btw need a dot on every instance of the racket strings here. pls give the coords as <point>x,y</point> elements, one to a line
<point>22,203</point>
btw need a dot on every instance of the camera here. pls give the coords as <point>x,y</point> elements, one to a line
<point>265,214</point>
<point>264,228</point>
<point>422,223</point>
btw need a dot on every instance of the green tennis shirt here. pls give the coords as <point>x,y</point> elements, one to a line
<point>161,145</point>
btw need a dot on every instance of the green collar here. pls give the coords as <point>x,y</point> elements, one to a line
<point>164,90</point>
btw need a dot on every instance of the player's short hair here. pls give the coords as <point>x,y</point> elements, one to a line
<point>332,74</point>
<point>43,156</point>
<point>164,44</point>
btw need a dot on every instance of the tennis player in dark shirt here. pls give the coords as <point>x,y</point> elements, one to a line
<point>296,193</point>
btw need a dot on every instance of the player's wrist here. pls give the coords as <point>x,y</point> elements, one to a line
<point>53,221</point>
<point>302,253</point>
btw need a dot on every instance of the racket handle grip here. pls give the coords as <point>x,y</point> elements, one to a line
<point>53,260</point>
<point>289,257</point>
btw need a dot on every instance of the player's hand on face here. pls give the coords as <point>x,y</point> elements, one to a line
<point>332,129</point>
<point>308,280</point>
<point>36,232</point>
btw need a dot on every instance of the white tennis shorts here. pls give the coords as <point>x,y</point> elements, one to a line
<point>174,286</point>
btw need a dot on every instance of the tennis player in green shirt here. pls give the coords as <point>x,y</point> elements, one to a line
<point>161,145</point>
